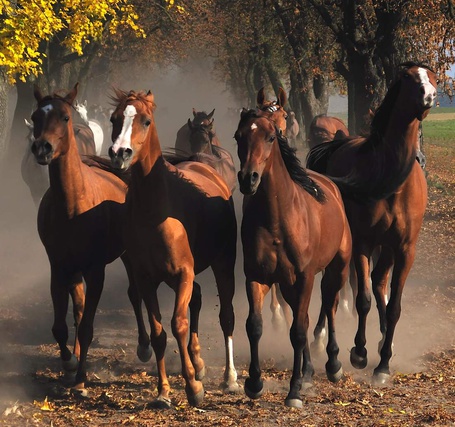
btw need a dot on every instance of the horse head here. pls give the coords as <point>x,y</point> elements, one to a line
<point>255,138</point>
<point>82,110</point>
<point>276,108</point>
<point>131,121</point>
<point>201,132</point>
<point>52,125</point>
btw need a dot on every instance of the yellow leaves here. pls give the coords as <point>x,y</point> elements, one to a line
<point>23,30</point>
<point>44,406</point>
<point>340,403</point>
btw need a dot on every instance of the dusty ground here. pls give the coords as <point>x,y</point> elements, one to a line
<point>33,390</point>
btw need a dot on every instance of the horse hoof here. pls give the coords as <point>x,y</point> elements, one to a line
<point>380,378</point>
<point>196,399</point>
<point>294,403</point>
<point>161,402</point>
<point>336,376</point>
<point>79,392</point>
<point>357,361</point>
<point>144,353</point>
<point>317,347</point>
<point>201,374</point>
<point>249,390</point>
<point>71,364</point>
<point>230,388</point>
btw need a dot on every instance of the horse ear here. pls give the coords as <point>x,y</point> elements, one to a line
<point>190,124</point>
<point>211,115</point>
<point>194,112</point>
<point>37,93</point>
<point>261,96</point>
<point>243,112</point>
<point>85,104</point>
<point>150,97</point>
<point>28,124</point>
<point>210,126</point>
<point>71,96</point>
<point>282,97</point>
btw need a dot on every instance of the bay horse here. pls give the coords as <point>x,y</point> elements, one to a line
<point>36,176</point>
<point>205,146</point>
<point>80,221</point>
<point>385,195</point>
<point>323,128</point>
<point>180,221</point>
<point>293,227</point>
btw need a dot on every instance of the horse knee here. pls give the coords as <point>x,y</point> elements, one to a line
<point>179,326</point>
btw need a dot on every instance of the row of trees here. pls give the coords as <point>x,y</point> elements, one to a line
<point>310,47</point>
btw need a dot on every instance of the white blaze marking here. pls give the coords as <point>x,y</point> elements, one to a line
<point>47,108</point>
<point>124,139</point>
<point>429,90</point>
<point>254,126</point>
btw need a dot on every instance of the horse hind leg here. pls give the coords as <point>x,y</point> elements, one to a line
<point>223,270</point>
<point>194,347</point>
<point>60,288</point>
<point>144,349</point>
<point>281,312</point>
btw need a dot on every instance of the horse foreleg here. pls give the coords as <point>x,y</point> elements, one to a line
<point>78,296</point>
<point>225,281</point>
<point>403,263</point>
<point>302,369</point>
<point>158,339</point>
<point>144,350</point>
<point>279,307</point>
<point>379,279</point>
<point>95,281</point>
<point>60,298</point>
<point>194,347</point>
<point>359,357</point>
<point>255,294</point>
<point>183,291</point>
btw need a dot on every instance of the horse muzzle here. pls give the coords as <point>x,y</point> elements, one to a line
<point>43,151</point>
<point>121,159</point>
<point>248,182</point>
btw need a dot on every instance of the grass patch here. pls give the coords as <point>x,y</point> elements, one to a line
<point>440,132</point>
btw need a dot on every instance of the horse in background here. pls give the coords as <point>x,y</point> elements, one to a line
<point>324,128</point>
<point>385,195</point>
<point>95,126</point>
<point>35,175</point>
<point>198,138</point>
<point>292,129</point>
<point>180,221</point>
<point>293,226</point>
<point>80,223</point>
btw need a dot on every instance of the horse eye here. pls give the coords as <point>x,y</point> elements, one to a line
<point>147,122</point>
<point>66,118</point>
<point>285,117</point>
<point>272,138</point>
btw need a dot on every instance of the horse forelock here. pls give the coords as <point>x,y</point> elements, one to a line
<point>123,98</point>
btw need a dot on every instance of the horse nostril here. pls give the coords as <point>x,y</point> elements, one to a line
<point>111,152</point>
<point>254,177</point>
<point>128,153</point>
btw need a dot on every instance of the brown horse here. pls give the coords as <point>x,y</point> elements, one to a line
<point>205,146</point>
<point>80,221</point>
<point>323,128</point>
<point>385,195</point>
<point>293,226</point>
<point>180,221</point>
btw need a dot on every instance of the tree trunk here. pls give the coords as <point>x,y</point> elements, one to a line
<point>4,114</point>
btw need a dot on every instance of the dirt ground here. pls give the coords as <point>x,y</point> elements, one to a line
<point>34,392</point>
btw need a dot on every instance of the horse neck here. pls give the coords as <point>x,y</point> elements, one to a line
<point>277,187</point>
<point>66,178</point>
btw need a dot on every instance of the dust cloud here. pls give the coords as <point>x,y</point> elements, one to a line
<point>25,305</point>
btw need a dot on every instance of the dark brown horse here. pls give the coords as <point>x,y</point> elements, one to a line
<point>385,195</point>
<point>180,221</point>
<point>293,227</point>
<point>323,128</point>
<point>198,138</point>
<point>80,222</point>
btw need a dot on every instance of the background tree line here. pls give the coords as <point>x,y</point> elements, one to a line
<point>309,47</point>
